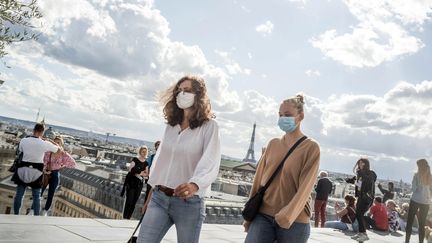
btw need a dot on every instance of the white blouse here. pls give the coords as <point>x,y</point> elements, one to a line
<point>191,155</point>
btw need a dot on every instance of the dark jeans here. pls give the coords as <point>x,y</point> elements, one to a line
<point>320,212</point>
<point>52,186</point>
<point>132,196</point>
<point>370,224</point>
<point>264,229</point>
<point>20,191</point>
<point>361,208</point>
<point>413,208</point>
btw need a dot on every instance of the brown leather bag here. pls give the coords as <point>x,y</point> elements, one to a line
<point>46,177</point>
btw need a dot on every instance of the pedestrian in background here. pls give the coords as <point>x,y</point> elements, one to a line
<point>323,189</point>
<point>30,170</point>
<point>53,163</point>
<point>134,181</point>
<point>364,181</point>
<point>420,199</point>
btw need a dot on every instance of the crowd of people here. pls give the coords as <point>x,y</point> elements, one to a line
<point>187,162</point>
<point>365,211</point>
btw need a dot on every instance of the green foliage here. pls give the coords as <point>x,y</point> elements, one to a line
<point>16,22</point>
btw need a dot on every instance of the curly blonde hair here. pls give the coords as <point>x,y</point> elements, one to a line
<point>201,109</point>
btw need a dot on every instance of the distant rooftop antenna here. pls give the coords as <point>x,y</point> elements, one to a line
<point>43,120</point>
<point>250,155</point>
<point>37,115</point>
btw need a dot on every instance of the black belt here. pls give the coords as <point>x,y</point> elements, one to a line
<point>38,166</point>
<point>168,191</point>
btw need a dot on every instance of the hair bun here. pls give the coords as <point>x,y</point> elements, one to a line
<point>300,98</point>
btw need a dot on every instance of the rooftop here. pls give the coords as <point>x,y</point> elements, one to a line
<point>55,229</point>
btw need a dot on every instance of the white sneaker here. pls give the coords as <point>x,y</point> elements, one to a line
<point>362,238</point>
<point>31,212</point>
<point>44,213</point>
<point>354,237</point>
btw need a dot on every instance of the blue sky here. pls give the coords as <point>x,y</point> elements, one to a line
<point>363,66</point>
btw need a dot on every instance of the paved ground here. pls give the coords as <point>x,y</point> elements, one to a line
<point>56,229</point>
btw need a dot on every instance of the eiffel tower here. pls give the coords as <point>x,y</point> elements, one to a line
<point>250,156</point>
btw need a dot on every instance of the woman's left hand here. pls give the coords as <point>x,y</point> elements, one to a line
<point>186,190</point>
<point>246,225</point>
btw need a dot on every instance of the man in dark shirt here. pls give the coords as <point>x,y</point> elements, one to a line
<point>323,189</point>
<point>387,194</point>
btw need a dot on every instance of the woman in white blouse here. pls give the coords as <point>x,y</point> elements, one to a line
<point>185,165</point>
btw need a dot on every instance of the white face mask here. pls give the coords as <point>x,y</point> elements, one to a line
<point>185,100</point>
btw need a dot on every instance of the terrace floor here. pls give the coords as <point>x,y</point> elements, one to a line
<point>58,229</point>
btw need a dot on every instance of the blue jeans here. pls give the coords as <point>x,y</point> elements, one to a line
<point>163,211</point>
<point>264,229</point>
<point>336,225</point>
<point>52,186</point>
<point>19,197</point>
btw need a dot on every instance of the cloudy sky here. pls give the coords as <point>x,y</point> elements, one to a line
<point>364,66</point>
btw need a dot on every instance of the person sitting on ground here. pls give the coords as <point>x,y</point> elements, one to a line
<point>387,194</point>
<point>393,216</point>
<point>403,217</point>
<point>323,189</point>
<point>377,216</point>
<point>347,216</point>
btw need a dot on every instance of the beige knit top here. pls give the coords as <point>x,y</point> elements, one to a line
<point>288,196</point>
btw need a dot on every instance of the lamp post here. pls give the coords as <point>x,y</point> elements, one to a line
<point>107,135</point>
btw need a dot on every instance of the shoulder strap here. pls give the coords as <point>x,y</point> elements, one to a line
<point>282,162</point>
<point>348,214</point>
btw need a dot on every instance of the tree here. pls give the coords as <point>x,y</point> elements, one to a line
<point>16,22</point>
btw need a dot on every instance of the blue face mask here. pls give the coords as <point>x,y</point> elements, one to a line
<point>287,123</point>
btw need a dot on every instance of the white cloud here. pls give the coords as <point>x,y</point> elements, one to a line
<point>383,32</point>
<point>404,110</point>
<point>232,67</point>
<point>128,42</point>
<point>265,29</point>
<point>311,73</point>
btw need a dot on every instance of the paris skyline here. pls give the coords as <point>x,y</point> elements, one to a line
<point>100,65</point>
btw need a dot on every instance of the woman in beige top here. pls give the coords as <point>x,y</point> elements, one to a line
<point>285,211</point>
